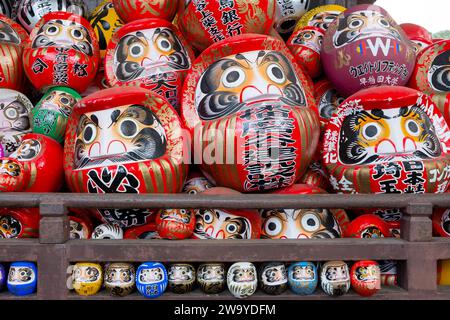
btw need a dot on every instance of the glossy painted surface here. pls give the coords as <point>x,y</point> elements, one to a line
<point>22,278</point>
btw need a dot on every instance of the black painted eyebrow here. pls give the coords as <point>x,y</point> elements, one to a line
<point>94,119</point>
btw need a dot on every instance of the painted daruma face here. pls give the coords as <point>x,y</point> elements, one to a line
<point>303,278</point>
<point>151,279</point>
<point>257,98</point>
<point>211,277</point>
<point>242,279</point>
<point>22,278</point>
<point>87,278</point>
<point>335,278</point>
<point>218,224</point>
<point>396,134</point>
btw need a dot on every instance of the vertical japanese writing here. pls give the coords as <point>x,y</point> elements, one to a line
<point>60,69</point>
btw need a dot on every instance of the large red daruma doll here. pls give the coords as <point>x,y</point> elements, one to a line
<point>18,223</point>
<point>12,37</point>
<point>251,113</point>
<point>363,48</point>
<point>388,140</point>
<point>62,50</point>
<point>130,10</point>
<point>124,140</point>
<point>150,53</point>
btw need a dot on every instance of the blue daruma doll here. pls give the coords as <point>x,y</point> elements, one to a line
<point>22,278</point>
<point>2,277</point>
<point>151,279</point>
<point>302,278</point>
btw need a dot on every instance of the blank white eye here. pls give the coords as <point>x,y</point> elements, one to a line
<point>310,222</point>
<point>233,77</point>
<point>413,128</point>
<point>371,131</point>
<point>275,73</point>
<point>273,226</point>
<point>136,50</point>
<point>208,217</point>
<point>89,133</point>
<point>164,45</point>
<point>52,30</point>
<point>76,34</point>
<point>128,128</point>
<point>11,113</point>
<point>355,23</point>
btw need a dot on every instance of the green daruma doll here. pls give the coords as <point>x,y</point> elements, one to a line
<point>50,115</point>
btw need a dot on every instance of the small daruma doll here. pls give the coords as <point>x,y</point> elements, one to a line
<point>30,168</point>
<point>387,140</point>
<point>130,10</point>
<point>152,54</point>
<point>80,227</point>
<point>22,278</point>
<point>365,278</point>
<point>242,280</point>
<point>151,279</point>
<point>62,50</point>
<point>124,140</point>
<point>363,48</point>
<point>12,38</point>
<point>328,100</point>
<point>287,13</point>
<point>335,278</point>
<point>119,279</point>
<point>273,278</point>
<point>420,36</point>
<point>206,22</point>
<point>243,97</point>
<point>303,278</point>
<point>15,109</point>
<point>181,278</point>
<point>368,226</point>
<point>18,223</point>
<point>51,114</point>
<point>175,223</point>
<point>87,278</point>
<point>211,277</point>
<point>225,223</point>
<point>320,17</point>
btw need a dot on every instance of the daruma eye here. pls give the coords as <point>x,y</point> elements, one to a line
<point>356,23</point>
<point>76,34</point>
<point>413,128</point>
<point>383,22</point>
<point>273,226</point>
<point>11,113</point>
<point>136,50</point>
<point>52,31</point>
<point>64,101</point>
<point>371,131</point>
<point>307,36</point>
<point>208,217</point>
<point>276,74</point>
<point>233,77</point>
<point>164,45</point>
<point>232,228</point>
<point>310,222</point>
<point>89,133</point>
<point>128,129</point>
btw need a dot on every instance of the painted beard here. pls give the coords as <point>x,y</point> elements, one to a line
<point>146,53</point>
<point>117,136</point>
<point>299,224</point>
<point>275,275</point>
<point>14,116</point>
<point>64,33</point>
<point>328,103</point>
<point>439,73</point>
<point>217,224</point>
<point>150,276</point>
<point>375,136</point>
<point>7,34</point>
<point>9,227</point>
<point>303,273</point>
<point>362,25</point>
<point>234,82</point>
<point>176,215</point>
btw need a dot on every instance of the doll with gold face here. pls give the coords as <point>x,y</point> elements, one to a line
<point>87,278</point>
<point>211,277</point>
<point>119,279</point>
<point>181,278</point>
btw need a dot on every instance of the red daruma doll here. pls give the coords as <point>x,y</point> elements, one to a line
<point>62,50</point>
<point>251,113</point>
<point>365,278</point>
<point>124,140</point>
<point>130,10</point>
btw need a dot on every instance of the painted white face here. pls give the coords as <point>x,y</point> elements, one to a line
<point>118,135</point>
<point>77,231</point>
<point>242,273</point>
<point>311,39</point>
<point>66,34</point>
<point>21,275</point>
<point>59,101</point>
<point>14,111</point>
<point>323,19</point>
<point>274,275</point>
<point>367,273</point>
<point>337,273</point>
<point>119,276</point>
<point>218,224</point>
<point>28,150</point>
<point>375,136</point>
<point>151,275</point>
<point>8,34</point>
<point>304,273</point>
<point>148,52</point>
<point>180,273</point>
<point>82,274</point>
<point>212,273</point>
<point>196,185</point>
<point>362,25</point>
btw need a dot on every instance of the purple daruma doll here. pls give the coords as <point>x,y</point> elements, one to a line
<point>364,47</point>
<point>2,277</point>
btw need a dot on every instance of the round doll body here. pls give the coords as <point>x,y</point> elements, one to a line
<point>30,12</point>
<point>420,36</point>
<point>242,279</point>
<point>151,279</point>
<point>152,54</point>
<point>387,140</point>
<point>205,22</point>
<point>303,278</point>
<point>273,278</point>
<point>62,50</point>
<point>107,231</point>
<point>51,113</point>
<point>238,104</point>
<point>287,13</point>
<point>18,223</point>
<point>365,278</point>
<point>211,277</point>
<point>225,223</point>
<point>22,278</point>
<point>12,38</point>
<point>196,183</point>
<point>328,100</point>
<point>364,48</point>
<point>87,278</point>
<point>175,224</point>
<point>335,278</point>
<point>320,17</point>
<point>181,278</point>
<point>80,227</point>
<point>30,169</point>
<point>15,109</point>
<point>388,269</point>
<point>130,10</point>
<point>119,279</point>
<point>132,143</point>
<point>147,231</point>
<point>3,277</point>
<point>367,226</point>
